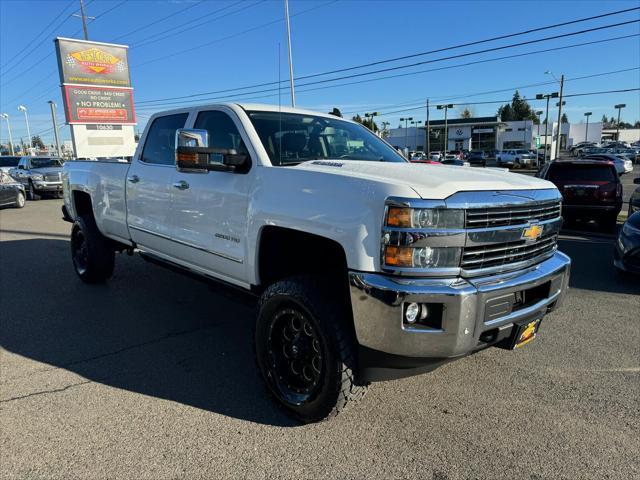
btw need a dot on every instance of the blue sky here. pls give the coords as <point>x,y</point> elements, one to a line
<point>242,48</point>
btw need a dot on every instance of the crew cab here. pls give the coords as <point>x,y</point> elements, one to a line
<point>366,267</point>
<point>39,175</point>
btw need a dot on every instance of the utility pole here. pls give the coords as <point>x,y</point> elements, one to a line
<point>6,117</point>
<point>586,130</point>
<point>370,116</point>
<point>559,117</point>
<point>293,90</point>
<point>55,126</point>
<point>427,132</point>
<point>83,15</point>
<point>446,128</point>
<point>538,113</point>
<point>620,106</point>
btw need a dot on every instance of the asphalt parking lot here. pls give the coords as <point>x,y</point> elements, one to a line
<point>152,376</point>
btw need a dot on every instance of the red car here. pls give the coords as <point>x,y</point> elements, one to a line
<point>429,162</point>
<point>591,190</point>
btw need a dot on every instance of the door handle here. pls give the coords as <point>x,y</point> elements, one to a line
<point>133,179</point>
<point>181,185</point>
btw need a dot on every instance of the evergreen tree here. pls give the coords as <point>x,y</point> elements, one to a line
<point>564,118</point>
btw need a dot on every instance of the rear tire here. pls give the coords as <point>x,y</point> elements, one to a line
<point>20,200</point>
<point>92,255</point>
<point>305,348</point>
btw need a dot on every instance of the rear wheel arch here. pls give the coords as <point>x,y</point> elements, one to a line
<point>82,204</point>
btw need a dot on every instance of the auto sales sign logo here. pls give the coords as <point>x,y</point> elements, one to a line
<point>94,60</point>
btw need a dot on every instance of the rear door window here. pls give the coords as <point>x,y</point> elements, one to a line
<point>159,147</point>
<point>590,173</point>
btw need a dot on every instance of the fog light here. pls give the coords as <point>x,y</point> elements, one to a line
<point>411,314</point>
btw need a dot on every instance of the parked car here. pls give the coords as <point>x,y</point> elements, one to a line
<point>39,175</point>
<point>11,192</point>
<point>477,157</point>
<point>329,226</point>
<point>459,154</point>
<point>626,255</point>
<point>515,158</point>
<point>574,149</point>
<point>623,165</point>
<point>8,162</point>
<point>634,200</point>
<point>436,156</point>
<point>427,162</point>
<point>456,161</point>
<point>591,189</point>
<point>417,156</point>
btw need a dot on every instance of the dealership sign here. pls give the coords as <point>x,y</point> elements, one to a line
<point>92,63</point>
<point>84,104</point>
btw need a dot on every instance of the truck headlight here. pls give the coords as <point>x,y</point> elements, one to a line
<point>421,257</point>
<point>433,218</point>
<point>37,177</point>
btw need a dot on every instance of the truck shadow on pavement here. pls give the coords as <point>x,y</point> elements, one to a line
<point>148,330</point>
<point>592,267</point>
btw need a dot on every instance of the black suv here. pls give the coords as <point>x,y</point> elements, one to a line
<point>591,190</point>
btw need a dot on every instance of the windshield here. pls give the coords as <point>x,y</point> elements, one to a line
<point>292,138</point>
<point>45,162</point>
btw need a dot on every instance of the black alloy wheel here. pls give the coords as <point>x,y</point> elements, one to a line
<point>295,354</point>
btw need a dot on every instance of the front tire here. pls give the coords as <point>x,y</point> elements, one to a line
<point>33,195</point>
<point>92,255</point>
<point>305,349</point>
<point>20,200</point>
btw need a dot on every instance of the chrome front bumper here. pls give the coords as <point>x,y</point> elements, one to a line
<point>473,310</point>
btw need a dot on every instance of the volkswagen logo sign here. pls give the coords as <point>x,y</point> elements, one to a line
<point>459,132</point>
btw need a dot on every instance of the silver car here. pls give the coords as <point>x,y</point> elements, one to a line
<point>39,175</point>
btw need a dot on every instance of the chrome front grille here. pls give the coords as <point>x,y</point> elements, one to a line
<point>512,215</point>
<point>497,255</point>
<point>52,177</point>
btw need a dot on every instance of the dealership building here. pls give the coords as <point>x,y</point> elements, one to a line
<point>490,133</point>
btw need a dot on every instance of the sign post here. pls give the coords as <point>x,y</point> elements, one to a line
<point>96,89</point>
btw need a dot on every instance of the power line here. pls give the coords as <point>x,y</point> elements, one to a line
<point>235,95</point>
<point>155,22</point>
<point>264,84</point>
<point>34,39</point>
<point>218,40</point>
<point>161,36</point>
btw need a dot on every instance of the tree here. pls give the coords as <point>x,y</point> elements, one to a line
<point>637,124</point>
<point>564,118</point>
<point>518,109</point>
<point>367,122</point>
<point>466,113</point>
<point>604,120</point>
<point>36,141</point>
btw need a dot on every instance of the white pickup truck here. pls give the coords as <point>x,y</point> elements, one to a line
<point>367,267</point>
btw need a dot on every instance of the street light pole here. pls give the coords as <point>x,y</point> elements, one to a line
<point>415,133</point>
<point>540,96</point>
<point>428,142</point>
<point>22,108</point>
<point>6,117</point>
<point>538,113</point>
<point>55,126</point>
<point>406,132</point>
<point>446,127</point>
<point>560,102</point>
<point>370,116</point>
<point>620,106</point>
<point>586,130</point>
<point>293,91</point>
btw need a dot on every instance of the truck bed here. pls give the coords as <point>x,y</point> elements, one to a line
<point>105,182</point>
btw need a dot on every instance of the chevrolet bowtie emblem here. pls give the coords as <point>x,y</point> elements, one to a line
<point>532,232</point>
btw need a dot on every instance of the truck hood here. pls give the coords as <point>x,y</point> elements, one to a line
<point>435,182</point>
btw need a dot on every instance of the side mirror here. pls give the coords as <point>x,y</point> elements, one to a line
<point>193,153</point>
<point>20,167</point>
